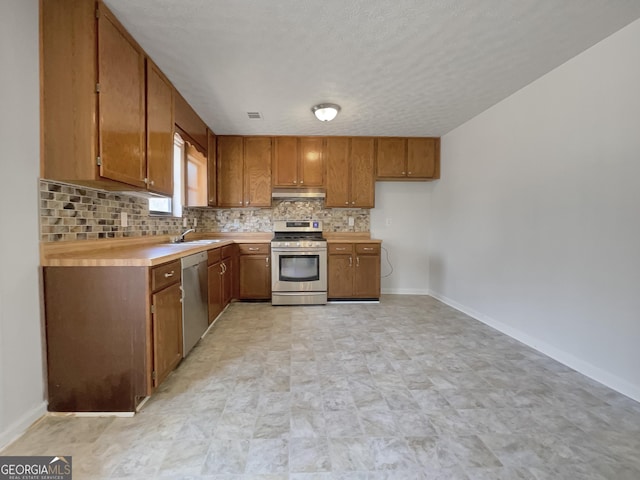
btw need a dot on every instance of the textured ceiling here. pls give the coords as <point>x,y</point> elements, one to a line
<point>403,67</point>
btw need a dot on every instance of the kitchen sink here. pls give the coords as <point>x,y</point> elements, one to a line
<point>193,242</point>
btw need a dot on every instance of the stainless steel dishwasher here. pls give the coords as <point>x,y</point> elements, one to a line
<point>194,300</point>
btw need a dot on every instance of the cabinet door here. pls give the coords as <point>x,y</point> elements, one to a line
<point>167,331</point>
<point>285,162</point>
<point>227,281</point>
<point>159,131</point>
<point>212,185</point>
<point>255,277</point>
<point>338,178</point>
<point>363,185</point>
<point>340,276</point>
<point>367,276</point>
<point>391,157</point>
<point>230,153</point>
<point>121,106</point>
<point>311,170</point>
<point>215,272</point>
<point>421,157</point>
<point>257,171</point>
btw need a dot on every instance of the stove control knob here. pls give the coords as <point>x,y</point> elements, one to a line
<point>286,244</point>
<point>297,244</point>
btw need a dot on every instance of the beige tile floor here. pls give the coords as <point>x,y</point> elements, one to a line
<point>405,389</point>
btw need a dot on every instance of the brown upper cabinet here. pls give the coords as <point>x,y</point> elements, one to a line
<point>350,172</point>
<point>212,169</point>
<point>189,125</point>
<point>416,158</point>
<point>244,171</point>
<point>298,162</point>
<point>159,131</point>
<point>95,105</point>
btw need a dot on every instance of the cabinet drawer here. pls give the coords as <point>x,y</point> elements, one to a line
<point>165,274</point>
<point>368,248</point>
<point>213,256</point>
<point>254,248</point>
<point>227,251</point>
<point>340,248</point>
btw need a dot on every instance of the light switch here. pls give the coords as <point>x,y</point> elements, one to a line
<point>351,221</point>
<point>124,221</point>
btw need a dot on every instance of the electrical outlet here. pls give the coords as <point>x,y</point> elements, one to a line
<point>351,221</point>
<point>185,220</point>
<point>195,222</point>
<point>124,221</point>
<point>236,222</point>
<point>388,222</point>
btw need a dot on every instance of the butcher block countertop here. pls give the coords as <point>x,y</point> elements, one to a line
<point>347,237</point>
<point>134,252</point>
<point>155,250</point>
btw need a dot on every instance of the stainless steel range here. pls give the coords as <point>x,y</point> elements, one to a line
<point>298,263</point>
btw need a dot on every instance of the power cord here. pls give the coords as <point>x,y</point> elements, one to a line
<point>387,257</point>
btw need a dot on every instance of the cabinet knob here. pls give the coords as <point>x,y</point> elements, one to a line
<point>408,173</point>
<point>403,173</point>
<point>240,203</point>
<point>151,182</point>
<point>346,203</point>
<point>353,203</point>
<point>301,182</point>
<point>295,181</point>
<point>145,180</point>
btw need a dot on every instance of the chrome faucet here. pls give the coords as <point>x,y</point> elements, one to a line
<point>183,234</point>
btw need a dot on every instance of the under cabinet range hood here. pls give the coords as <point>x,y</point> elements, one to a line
<point>298,193</point>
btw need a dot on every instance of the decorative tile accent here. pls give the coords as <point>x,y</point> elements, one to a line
<point>69,212</point>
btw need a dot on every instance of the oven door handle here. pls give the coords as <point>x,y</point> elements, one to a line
<point>299,251</point>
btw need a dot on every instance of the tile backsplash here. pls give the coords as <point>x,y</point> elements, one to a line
<point>69,212</point>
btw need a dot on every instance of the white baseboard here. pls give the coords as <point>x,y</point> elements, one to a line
<point>599,375</point>
<point>404,291</point>
<point>18,427</point>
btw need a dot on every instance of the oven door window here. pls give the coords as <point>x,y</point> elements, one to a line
<point>299,268</point>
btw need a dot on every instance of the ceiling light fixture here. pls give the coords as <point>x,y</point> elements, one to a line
<point>325,112</point>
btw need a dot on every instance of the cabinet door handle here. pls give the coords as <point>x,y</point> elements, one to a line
<point>340,248</point>
<point>357,261</point>
<point>368,249</point>
<point>170,274</point>
<point>253,249</point>
<point>351,261</point>
<point>266,259</point>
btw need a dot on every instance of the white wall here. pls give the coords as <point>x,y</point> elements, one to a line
<point>406,204</point>
<point>536,221</point>
<point>21,347</point>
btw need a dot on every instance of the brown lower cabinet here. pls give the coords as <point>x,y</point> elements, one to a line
<point>353,270</point>
<point>221,276</point>
<point>255,271</point>
<point>113,334</point>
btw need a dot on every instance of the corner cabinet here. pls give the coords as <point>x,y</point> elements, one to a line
<point>298,162</point>
<point>113,334</point>
<point>353,271</point>
<point>94,103</point>
<point>243,171</point>
<point>350,172</point>
<point>416,158</point>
